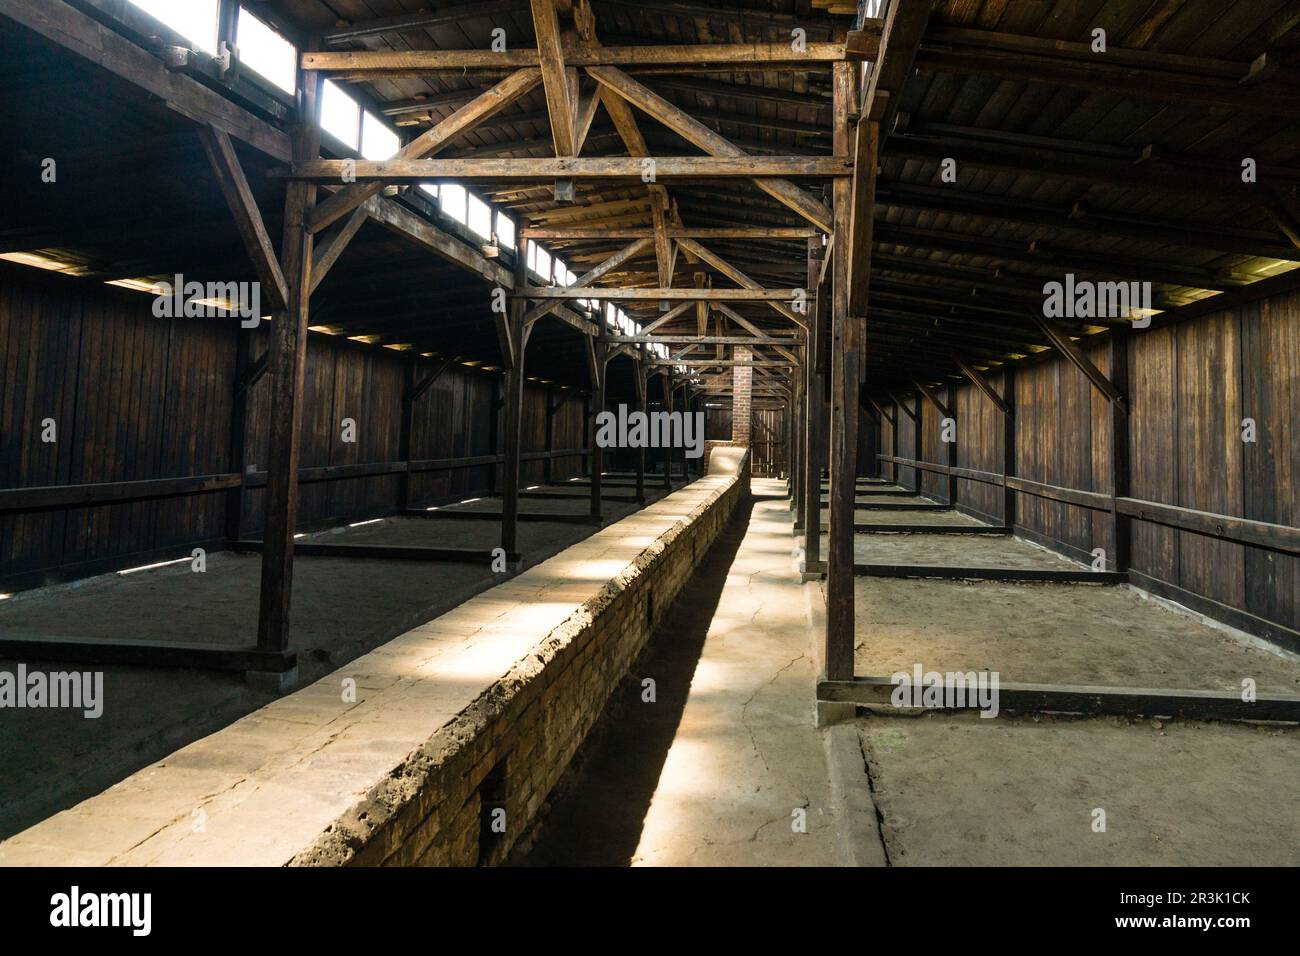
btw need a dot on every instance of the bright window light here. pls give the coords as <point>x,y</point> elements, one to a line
<point>430,188</point>
<point>340,116</point>
<point>196,20</point>
<point>531,258</point>
<point>543,268</point>
<point>377,140</point>
<point>452,200</point>
<point>265,52</point>
<point>479,218</point>
<point>505,230</point>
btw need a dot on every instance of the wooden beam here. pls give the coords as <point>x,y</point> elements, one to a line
<point>900,39</point>
<point>845,362</point>
<point>814,404</point>
<point>1120,450</point>
<point>403,171</point>
<point>332,244</point>
<point>771,56</point>
<point>248,219</point>
<point>1066,346</point>
<point>980,382</point>
<point>735,275</point>
<point>1131,73</point>
<point>1075,166</point>
<point>460,122</point>
<point>447,16</point>
<point>798,233</point>
<point>288,359</point>
<point>546,26</point>
<point>866,143</point>
<point>933,399</point>
<point>721,363</point>
<point>760,339</point>
<point>976,573</point>
<point>586,115</point>
<point>626,254</point>
<point>695,132</point>
<point>650,295</point>
<point>514,406</point>
<point>670,315</point>
<point>1091,699</point>
<point>596,353</point>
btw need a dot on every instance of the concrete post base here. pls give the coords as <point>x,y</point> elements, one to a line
<point>277,682</point>
<point>831,712</point>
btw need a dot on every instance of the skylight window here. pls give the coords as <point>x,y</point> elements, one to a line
<point>452,199</point>
<point>505,230</point>
<point>377,140</point>
<point>195,20</point>
<point>340,116</point>
<point>543,267</point>
<point>265,52</point>
<point>479,218</point>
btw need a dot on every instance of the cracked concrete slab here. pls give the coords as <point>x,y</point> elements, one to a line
<point>747,771</point>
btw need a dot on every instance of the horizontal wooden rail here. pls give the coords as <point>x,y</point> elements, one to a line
<point>45,498</point>
<point>1263,534</point>
<point>1276,537</point>
<point>52,497</point>
<point>1087,699</point>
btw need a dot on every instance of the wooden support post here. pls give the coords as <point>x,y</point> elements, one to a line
<point>952,449</point>
<point>797,419</point>
<point>814,397</point>
<point>404,431</point>
<point>918,440</point>
<point>945,414</point>
<point>894,449</point>
<point>288,359</point>
<point>494,433</point>
<point>1121,524</point>
<point>514,407</point>
<point>238,460</point>
<point>1009,446</point>
<point>668,452</point>
<point>597,353</point>
<point>586,435</point>
<point>642,387</point>
<point>548,475</point>
<point>846,358</point>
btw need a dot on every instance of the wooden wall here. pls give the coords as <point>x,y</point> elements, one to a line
<point>136,397</point>
<point>1190,387</point>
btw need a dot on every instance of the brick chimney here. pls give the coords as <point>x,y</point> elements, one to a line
<point>742,377</point>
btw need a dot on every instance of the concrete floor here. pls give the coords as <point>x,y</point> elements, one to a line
<point>715,772</point>
<point>342,608</point>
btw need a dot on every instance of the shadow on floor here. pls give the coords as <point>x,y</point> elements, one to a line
<point>595,815</point>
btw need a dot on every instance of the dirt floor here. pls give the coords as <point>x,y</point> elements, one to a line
<point>872,516</point>
<point>974,551</point>
<point>1053,633</point>
<point>341,609</point>
<point>959,790</point>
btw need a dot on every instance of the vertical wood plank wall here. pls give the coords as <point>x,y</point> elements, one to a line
<point>1191,385</point>
<point>137,397</point>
